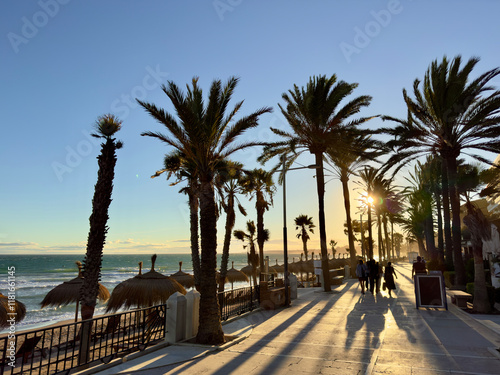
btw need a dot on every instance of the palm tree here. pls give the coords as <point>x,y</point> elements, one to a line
<point>176,164</point>
<point>228,185</point>
<point>205,135</point>
<point>369,177</point>
<point>344,165</point>
<point>249,237</point>
<point>480,230</point>
<point>448,116</point>
<point>259,184</point>
<point>303,224</point>
<point>316,119</point>
<point>106,127</point>
<point>421,180</point>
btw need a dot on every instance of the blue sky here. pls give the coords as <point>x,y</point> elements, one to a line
<point>64,63</point>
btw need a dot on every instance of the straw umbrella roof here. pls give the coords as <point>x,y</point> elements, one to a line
<point>294,266</point>
<point>183,278</point>
<point>306,265</point>
<point>69,292</point>
<point>234,275</point>
<point>15,309</point>
<point>247,270</point>
<point>272,270</point>
<point>144,290</point>
<point>278,268</point>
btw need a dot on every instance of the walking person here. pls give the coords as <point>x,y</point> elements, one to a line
<point>418,267</point>
<point>373,272</point>
<point>389,278</point>
<point>380,273</point>
<point>361,274</point>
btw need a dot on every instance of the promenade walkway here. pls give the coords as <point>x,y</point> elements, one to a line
<point>343,332</point>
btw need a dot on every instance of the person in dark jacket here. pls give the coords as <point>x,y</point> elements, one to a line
<point>418,267</point>
<point>389,275</point>
<point>373,274</point>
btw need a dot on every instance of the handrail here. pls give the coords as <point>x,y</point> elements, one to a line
<point>58,349</point>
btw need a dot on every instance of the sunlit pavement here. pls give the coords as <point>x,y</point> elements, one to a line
<point>345,332</point>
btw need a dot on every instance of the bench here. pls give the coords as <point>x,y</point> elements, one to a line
<point>336,276</point>
<point>459,298</point>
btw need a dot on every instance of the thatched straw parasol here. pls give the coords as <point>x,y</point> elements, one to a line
<point>14,309</point>
<point>144,290</point>
<point>278,268</point>
<point>183,278</point>
<point>233,275</point>
<point>294,267</point>
<point>247,270</point>
<point>69,292</point>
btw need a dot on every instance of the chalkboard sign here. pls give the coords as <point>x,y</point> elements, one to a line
<point>430,291</point>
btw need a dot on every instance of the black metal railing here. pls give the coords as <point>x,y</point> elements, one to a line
<point>59,349</point>
<point>238,301</point>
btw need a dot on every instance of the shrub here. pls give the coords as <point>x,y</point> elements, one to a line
<point>435,265</point>
<point>492,292</point>
<point>449,278</point>
<point>469,271</point>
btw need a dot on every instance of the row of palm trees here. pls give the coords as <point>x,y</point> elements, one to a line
<point>448,114</point>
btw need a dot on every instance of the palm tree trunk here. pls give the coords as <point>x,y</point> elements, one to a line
<point>210,328</point>
<point>440,227</point>
<point>429,236</point>
<point>481,301</point>
<point>260,228</point>
<point>446,217</point>
<point>387,241</point>
<point>455,224</point>
<point>253,262</point>
<point>381,250</point>
<point>230,220</point>
<point>370,234</point>
<point>421,247</point>
<point>350,234</point>
<point>320,184</point>
<point>98,229</point>
<point>193,223</point>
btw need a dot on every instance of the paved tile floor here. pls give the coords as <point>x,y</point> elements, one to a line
<point>344,332</point>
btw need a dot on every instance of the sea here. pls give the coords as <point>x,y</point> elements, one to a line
<point>36,275</point>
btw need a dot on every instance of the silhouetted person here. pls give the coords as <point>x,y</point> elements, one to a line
<point>389,278</point>
<point>380,272</point>
<point>373,273</point>
<point>361,274</point>
<point>418,267</point>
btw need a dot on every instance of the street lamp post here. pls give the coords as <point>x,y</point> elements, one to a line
<point>285,233</point>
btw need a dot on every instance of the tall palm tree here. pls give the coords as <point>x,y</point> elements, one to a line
<point>369,177</point>
<point>481,231</point>
<point>175,164</point>
<point>304,224</point>
<point>344,165</point>
<point>106,127</point>
<point>414,222</point>
<point>450,114</point>
<point>259,183</point>
<point>228,185</point>
<point>205,134</point>
<point>249,237</point>
<point>421,180</point>
<point>316,117</point>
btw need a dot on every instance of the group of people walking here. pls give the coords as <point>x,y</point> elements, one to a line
<point>370,273</point>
